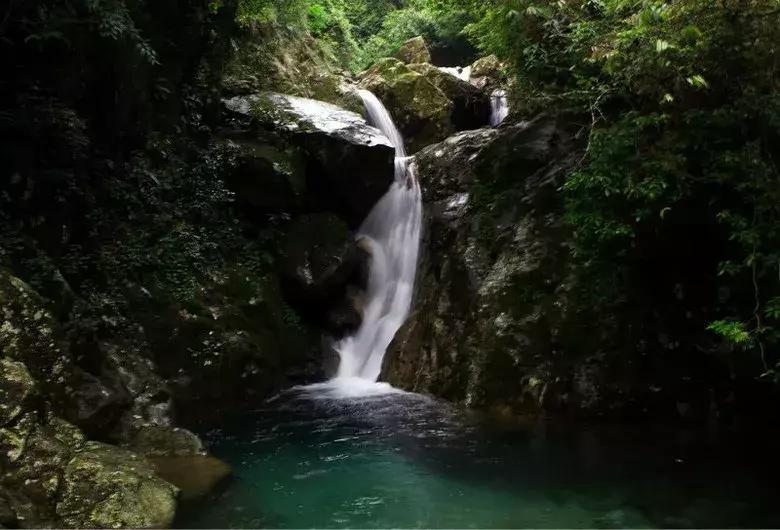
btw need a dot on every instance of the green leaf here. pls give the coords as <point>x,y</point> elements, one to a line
<point>731,330</point>
<point>772,309</point>
<point>697,81</point>
<point>662,45</point>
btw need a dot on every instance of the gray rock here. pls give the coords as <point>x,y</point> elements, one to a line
<point>470,105</point>
<point>491,294</point>
<point>160,440</point>
<point>108,487</point>
<point>420,109</point>
<point>349,164</point>
<point>415,50</point>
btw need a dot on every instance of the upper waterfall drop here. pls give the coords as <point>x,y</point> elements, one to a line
<point>391,234</point>
<point>499,107</point>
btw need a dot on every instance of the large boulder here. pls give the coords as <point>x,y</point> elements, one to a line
<point>349,164</point>
<point>487,73</point>
<point>320,262</point>
<point>29,332</point>
<point>163,440</point>
<point>421,110</point>
<point>33,453</point>
<point>415,50</point>
<point>493,312</point>
<point>471,106</point>
<point>107,487</point>
<point>267,178</point>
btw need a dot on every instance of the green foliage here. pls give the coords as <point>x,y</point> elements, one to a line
<point>110,19</point>
<point>357,32</point>
<point>733,332</point>
<point>438,22</point>
<point>685,114</point>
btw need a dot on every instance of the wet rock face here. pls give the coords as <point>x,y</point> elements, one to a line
<point>50,475</point>
<point>471,106</point>
<point>420,109</point>
<point>323,266</point>
<point>347,162</point>
<point>266,178</point>
<point>493,313</point>
<point>413,51</point>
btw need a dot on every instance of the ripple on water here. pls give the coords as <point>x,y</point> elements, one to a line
<point>318,457</point>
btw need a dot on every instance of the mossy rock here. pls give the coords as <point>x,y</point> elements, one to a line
<point>422,111</point>
<point>108,487</point>
<point>28,332</point>
<point>349,164</point>
<point>471,106</point>
<point>17,388</point>
<point>488,73</point>
<point>415,50</point>
<point>162,440</point>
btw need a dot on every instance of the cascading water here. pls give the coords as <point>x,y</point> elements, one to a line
<point>499,107</point>
<point>461,72</point>
<point>391,233</point>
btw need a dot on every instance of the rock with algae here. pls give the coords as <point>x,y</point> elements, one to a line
<point>421,110</point>
<point>415,50</point>
<point>107,487</point>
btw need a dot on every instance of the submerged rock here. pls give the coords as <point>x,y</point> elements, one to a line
<point>108,487</point>
<point>348,163</point>
<point>415,50</point>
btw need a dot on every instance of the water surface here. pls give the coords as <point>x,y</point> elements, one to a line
<point>319,457</point>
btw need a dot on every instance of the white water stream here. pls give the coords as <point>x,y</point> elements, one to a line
<point>391,233</point>
<point>461,72</point>
<point>499,107</point>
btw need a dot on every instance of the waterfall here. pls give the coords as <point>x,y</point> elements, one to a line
<point>499,107</point>
<point>391,233</point>
<point>461,72</point>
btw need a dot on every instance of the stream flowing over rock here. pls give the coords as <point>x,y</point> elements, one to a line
<point>346,160</point>
<point>493,314</point>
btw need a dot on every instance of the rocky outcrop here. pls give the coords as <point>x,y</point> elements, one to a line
<point>414,51</point>
<point>348,164</point>
<point>50,474</point>
<point>470,105</point>
<point>495,323</point>
<point>421,111</point>
<point>428,103</point>
<point>322,264</point>
<point>108,487</point>
<point>487,73</point>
